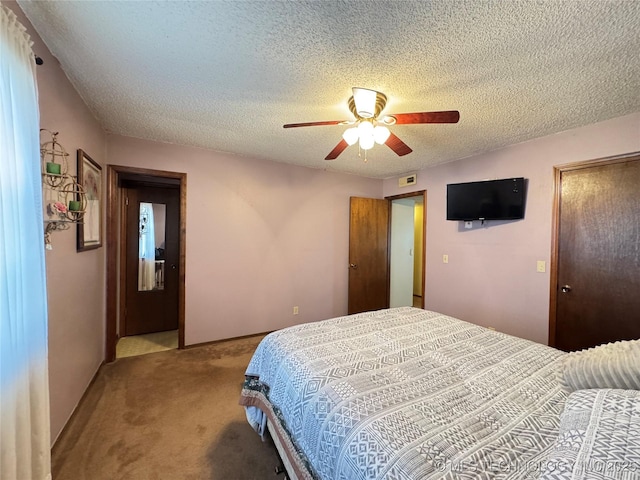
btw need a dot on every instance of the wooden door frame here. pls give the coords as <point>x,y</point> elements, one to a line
<point>555,226</point>
<point>424,238</point>
<point>115,173</point>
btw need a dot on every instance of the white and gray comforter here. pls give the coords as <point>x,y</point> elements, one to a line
<point>409,394</point>
<point>599,437</point>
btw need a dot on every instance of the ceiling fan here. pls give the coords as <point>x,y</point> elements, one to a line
<point>369,128</point>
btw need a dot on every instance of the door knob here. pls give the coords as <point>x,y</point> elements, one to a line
<point>353,265</point>
<point>565,288</point>
<point>173,266</point>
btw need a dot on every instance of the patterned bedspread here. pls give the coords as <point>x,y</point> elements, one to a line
<point>408,394</point>
<point>599,437</point>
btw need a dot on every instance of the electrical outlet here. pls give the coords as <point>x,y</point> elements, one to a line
<point>295,310</point>
<point>541,266</point>
<point>445,258</point>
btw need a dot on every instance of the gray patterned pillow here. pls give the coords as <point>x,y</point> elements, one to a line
<point>599,437</point>
<point>613,365</point>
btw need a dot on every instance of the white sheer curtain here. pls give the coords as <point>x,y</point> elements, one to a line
<point>24,389</point>
<point>147,248</point>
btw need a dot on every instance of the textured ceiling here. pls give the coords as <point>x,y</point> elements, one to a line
<point>226,75</point>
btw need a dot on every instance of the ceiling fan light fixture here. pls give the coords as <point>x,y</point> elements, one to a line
<point>369,128</point>
<point>365,101</point>
<point>367,142</point>
<point>381,134</point>
<point>351,135</point>
<point>365,134</point>
<point>365,128</point>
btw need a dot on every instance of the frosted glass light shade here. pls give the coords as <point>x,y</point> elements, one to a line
<point>380,134</point>
<point>350,135</point>
<point>365,132</point>
<point>365,101</point>
<point>365,129</point>
<point>366,142</point>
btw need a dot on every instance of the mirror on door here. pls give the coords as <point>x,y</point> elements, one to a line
<point>151,246</point>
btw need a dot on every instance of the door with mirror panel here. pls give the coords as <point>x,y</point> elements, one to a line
<point>152,219</point>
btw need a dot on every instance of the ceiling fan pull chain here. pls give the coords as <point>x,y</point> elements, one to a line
<point>360,153</point>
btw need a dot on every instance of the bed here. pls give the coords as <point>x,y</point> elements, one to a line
<point>410,394</point>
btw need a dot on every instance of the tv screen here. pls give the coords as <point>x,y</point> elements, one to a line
<point>488,200</point>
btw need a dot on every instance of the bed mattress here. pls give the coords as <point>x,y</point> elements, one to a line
<point>405,394</point>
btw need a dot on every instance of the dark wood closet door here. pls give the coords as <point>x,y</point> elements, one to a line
<point>368,254</point>
<point>151,303</point>
<point>598,268</point>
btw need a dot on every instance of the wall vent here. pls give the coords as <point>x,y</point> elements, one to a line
<point>408,180</point>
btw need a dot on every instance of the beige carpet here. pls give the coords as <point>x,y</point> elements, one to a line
<point>147,343</point>
<point>171,415</point>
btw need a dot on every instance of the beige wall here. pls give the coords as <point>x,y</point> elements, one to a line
<point>261,238</point>
<point>491,276</point>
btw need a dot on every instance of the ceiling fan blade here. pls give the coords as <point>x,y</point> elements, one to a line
<point>337,150</point>
<point>449,116</point>
<point>397,145</point>
<point>315,124</point>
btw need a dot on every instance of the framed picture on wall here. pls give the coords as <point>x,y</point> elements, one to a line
<point>90,177</point>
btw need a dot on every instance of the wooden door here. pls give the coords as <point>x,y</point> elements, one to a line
<point>152,282</point>
<point>368,254</point>
<point>598,250</point>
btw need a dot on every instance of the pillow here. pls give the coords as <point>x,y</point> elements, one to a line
<point>599,437</point>
<point>613,365</point>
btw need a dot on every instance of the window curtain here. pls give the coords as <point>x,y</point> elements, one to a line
<point>24,390</point>
<point>147,248</point>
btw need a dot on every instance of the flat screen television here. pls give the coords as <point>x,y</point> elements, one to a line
<point>488,200</point>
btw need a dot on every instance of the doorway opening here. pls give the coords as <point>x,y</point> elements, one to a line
<point>370,247</point>
<point>146,213</point>
<point>406,250</point>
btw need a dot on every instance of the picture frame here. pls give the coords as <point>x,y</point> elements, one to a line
<point>90,178</point>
